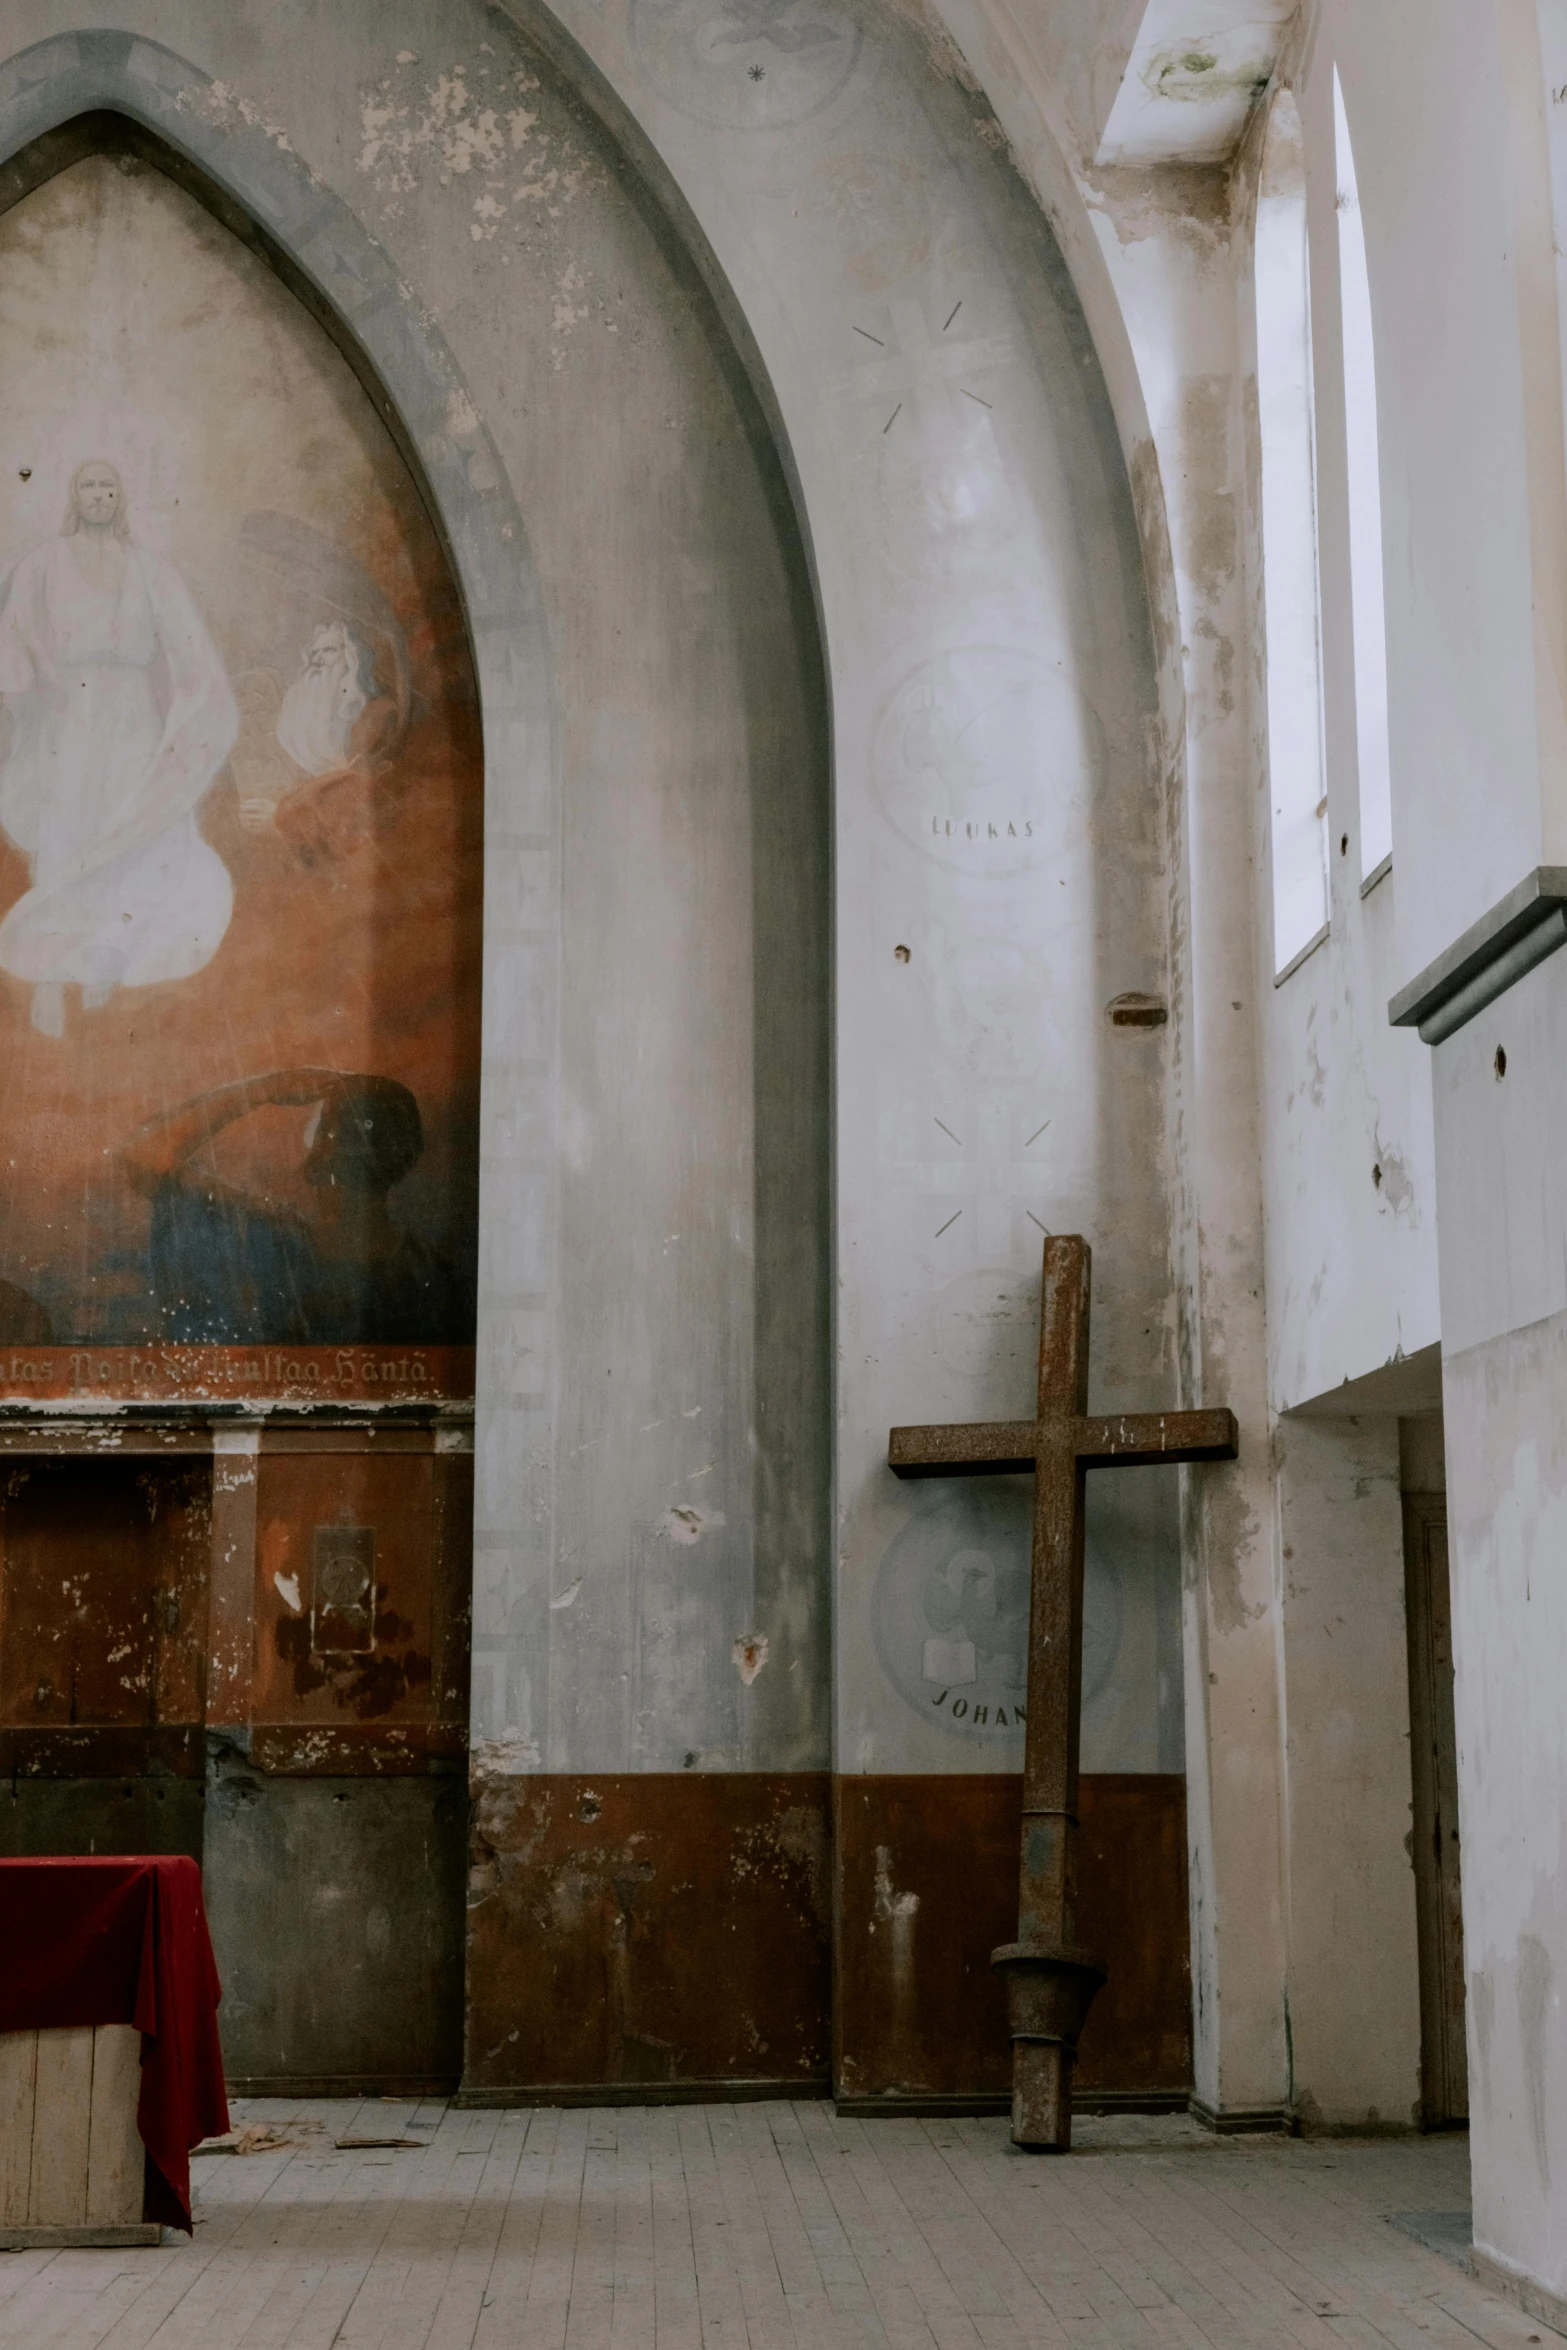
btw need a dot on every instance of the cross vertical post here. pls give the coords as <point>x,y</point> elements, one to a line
<point>1051,1981</point>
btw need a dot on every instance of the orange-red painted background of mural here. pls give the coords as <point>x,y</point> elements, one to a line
<point>206,530</point>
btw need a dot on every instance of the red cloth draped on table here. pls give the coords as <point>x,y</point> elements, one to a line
<point>124,1942</point>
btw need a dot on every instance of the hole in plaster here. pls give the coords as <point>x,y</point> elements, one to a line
<point>750,1654</point>
<point>1343,846</point>
<point>1136,1010</point>
<point>1500,1063</point>
<point>1376,1177</point>
<point>900,954</point>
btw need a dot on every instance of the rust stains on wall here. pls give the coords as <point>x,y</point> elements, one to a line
<point>103,1639</point>
<point>361,1600</point>
<point>103,1615</point>
<point>661,1930</point>
<point>659,1934</point>
<point>928,1888</point>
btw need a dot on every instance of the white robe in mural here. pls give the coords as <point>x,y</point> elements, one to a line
<point>104,774</point>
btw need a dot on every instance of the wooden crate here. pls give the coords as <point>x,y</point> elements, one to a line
<point>71,2161</point>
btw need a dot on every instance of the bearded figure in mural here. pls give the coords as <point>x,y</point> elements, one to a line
<point>322,708</point>
<point>121,718</point>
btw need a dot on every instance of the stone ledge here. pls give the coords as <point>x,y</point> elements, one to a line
<point>1518,932</point>
<point>1243,2121</point>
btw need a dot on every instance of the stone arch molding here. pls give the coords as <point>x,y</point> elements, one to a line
<point>331,261</point>
<point>46,87</point>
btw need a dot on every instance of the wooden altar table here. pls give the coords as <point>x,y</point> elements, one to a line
<point>110,2069</point>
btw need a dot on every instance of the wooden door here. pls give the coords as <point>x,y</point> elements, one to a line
<point>1434,1769</point>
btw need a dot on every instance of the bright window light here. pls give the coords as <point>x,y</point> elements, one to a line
<point>1289,543</point>
<point>1365,509</point>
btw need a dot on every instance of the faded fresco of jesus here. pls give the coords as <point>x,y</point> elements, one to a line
<point>121,719</point>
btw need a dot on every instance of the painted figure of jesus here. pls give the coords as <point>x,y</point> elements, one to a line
<point>121,718</point>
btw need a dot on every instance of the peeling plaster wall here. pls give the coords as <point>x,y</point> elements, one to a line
<point>1155,261</point>
<point>1173,258</point>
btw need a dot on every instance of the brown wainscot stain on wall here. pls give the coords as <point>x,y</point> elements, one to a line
<point>661,1934</point>
<point>655,1931</point>
<point>928,1888</point>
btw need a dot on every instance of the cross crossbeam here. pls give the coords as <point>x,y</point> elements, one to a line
<point>1010,1448</point>
<point>1051,1981</point>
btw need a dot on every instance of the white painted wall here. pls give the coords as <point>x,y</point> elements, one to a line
<point>1504,1295</point>
<point>1455,127</point>
<point>1354,1990</point>
<point>1453,173</point>
<point>1351,1280</point>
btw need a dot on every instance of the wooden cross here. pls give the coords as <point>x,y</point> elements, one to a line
<point>1050,1981</point>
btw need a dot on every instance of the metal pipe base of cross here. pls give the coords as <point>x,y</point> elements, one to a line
<point>1050,1989</point>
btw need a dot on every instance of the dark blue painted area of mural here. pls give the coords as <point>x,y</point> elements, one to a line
<point>229,1271</point>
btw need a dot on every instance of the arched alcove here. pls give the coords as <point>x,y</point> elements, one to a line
<point>653,940</point>
<point>242,781</point>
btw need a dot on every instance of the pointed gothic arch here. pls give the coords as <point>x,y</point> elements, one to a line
<point>77,93</point>
<point>65,102</point>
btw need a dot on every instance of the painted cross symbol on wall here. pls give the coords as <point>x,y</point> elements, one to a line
<point>931,377</point>
<point>992,1175</point>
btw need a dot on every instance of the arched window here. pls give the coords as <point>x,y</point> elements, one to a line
<point>1289,544</point>
<point>1365,509</point>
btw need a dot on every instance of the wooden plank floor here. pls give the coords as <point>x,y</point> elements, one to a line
<point>774,2227</point>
